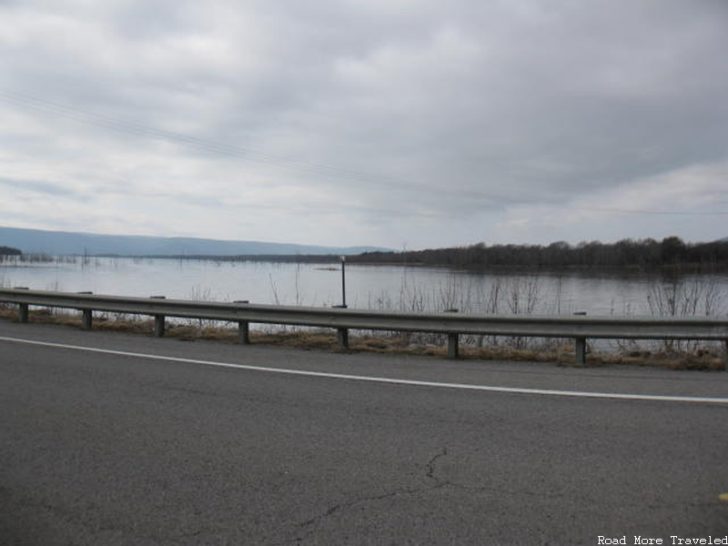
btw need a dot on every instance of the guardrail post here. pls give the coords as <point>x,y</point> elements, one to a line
<point>158,320</point>
<point>580,350</point>
<point>23,312</point>
<point>87,315</point>
<point>243,328</point>
<point>342,334</point>
<point>453,349</point>
<point>244,332</point>
<point>158,325</point>
<point>342,338</point>
<point>580,344</point>
<point>453,340</point>
<point>87,319</point>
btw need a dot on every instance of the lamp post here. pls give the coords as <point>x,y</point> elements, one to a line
<point>343,282</point>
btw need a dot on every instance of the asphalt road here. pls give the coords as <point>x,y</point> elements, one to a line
<point>106,448</point>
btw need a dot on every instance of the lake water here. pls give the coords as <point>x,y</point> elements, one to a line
<point>377,287</point>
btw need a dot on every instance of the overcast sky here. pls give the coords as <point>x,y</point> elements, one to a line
<point>399,123</point>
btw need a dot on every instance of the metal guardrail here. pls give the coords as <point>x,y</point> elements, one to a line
<point>579,328</point>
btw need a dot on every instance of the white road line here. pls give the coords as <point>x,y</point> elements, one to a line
<point>411,382</point>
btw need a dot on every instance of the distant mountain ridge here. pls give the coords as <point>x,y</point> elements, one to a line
<point>32,241</point>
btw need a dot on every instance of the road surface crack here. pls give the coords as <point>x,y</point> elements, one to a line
<point>354,502</point>
<point>430,474</point>
<point>431,466</point>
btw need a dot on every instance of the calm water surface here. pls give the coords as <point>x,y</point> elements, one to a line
<point>368,287</point>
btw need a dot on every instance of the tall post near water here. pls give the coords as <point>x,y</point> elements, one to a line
<point>343,282</point>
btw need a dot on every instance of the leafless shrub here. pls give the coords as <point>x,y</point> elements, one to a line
<point>685,297</point>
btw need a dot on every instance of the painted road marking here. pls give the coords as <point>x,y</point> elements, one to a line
<point>410,382</point>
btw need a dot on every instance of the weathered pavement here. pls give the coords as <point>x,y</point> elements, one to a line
<point>101,448</point>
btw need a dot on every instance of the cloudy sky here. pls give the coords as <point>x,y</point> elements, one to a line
<point>400,123</point>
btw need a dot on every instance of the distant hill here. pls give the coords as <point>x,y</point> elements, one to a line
<point>32,241</point>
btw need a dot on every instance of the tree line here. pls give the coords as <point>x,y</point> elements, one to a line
<point>642,254</point>
<point>9,251</point>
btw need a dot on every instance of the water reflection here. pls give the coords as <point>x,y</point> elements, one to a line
<point>378,287</point>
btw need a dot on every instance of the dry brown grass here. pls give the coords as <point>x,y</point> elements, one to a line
<point>310,339</point>
<point>701,359</point>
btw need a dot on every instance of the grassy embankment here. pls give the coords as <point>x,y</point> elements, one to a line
<point>555,351</point>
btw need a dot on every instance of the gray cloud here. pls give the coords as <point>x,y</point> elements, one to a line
<point>423,122</point>
<point>36,186</point>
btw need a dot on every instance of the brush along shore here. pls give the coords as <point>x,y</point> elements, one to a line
<point>678,356</point>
